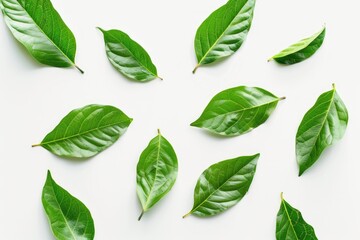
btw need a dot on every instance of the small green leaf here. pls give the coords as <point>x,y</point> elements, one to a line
<point>302,50</point>
<point>223,185</point>
<point>69,218</point>
<point>322,126</point>
<point>86,131</point>
<point>290,224</point>
<point>156,172</point>
<point>224,31</point>
<point>238,110</point>
<point>128,57</point>
<point>39,27</point>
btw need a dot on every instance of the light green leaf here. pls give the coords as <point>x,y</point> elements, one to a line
<point>302,50</point>
<point>223,185</point>
<point>69,218</point>
<point>238,110</point>
<point>39,27</point>
<point>128,57</point>
<point>290,224</point>
<point>86,131</point>
<point>322,126</point>
<point>156,172</point>
<point>224,31</point>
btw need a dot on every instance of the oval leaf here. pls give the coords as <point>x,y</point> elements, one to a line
<point>128,57</point>
<point>86,131</point>
<point>223,185</point>
<point>302,50</point>
<point>291,225</point>
<point>69,218</point>
<point>156,172</point>
<point>238,110</point>
<point>322,126</point>
<point>39,27</point>
<point>224,31</point>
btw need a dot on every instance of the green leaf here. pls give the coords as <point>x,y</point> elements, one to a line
<point>39,27</point>
<point>224,31</point>
<point>128,57</point>
<point>322,126</point>
<point>156,172</point>
<point>223,185</point>
<point>302,50</point>
<point>69,218</point>
<point>290,224</point>
<point>238,110</point>
<point>86,131</point>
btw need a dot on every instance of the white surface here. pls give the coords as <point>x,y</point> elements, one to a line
<point>34,98</point>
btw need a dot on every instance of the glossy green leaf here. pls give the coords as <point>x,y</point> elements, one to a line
<point>290,224</point>
<point>302,50</point>
<point>86,131</point>
<point>128,57</point>
<point>223,185</point>
<point>322,126</point>
<point>224,31</point>
<point>39,27</point>
<point>238,110</point>
<point>69,218</point>
<point>156,172</point>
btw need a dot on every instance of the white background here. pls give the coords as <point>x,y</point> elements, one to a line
<point>34,98</point>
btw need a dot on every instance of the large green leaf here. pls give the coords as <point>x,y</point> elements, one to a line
<point>223,185</point>
<point>238,110</point>
<point>302,50</point>
<point>86,131</point>
<point>39,27</point>
<point>128,57</point>
<point>322,126</point>
<point>69,218</point>
<point>224,31</point>
<point>156,172</point>
<point>290,224</point>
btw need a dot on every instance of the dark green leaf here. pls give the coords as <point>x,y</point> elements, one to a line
<point>156,172</point>
<point>69,218</point>
<point>86,131</point>
<point>128,57</point>
<point>237,110</point>
<point>290,224</point>
<point>322,126</point>
<point>39,27</point>
<point>224,31</point>
<point>223,185</point>
<point>302,50</point>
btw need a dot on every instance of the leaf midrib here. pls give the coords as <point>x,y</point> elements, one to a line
<point>141,64</point>
<point>217,40</point>
<point>287,214</point>
<point>40,29</point>
<point>83,133</point>
<point>217,189</point>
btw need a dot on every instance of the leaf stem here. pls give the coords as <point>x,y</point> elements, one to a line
<point>141,215</point>
<point>186,215</point>
<point>36,145</point>
<point>78,68</point>
<point>334,86</point>
<point>197,66</point>
<point>282,196</point>
<point>282,98</point>
<point>159,131</point>
<point>270,59</point>
<point>160,78</point>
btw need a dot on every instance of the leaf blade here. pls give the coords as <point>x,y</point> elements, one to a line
<point>301,50</point>
<point>128,57</point>
<point>291,225</point>
<point>156,172</point>
<point>41,30</point>
<point>86,131</point>
<point>224,31</point>
<point>238,110</point>
<point>69,218</point>
<point>322,126</point>
<point>223,185</point>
